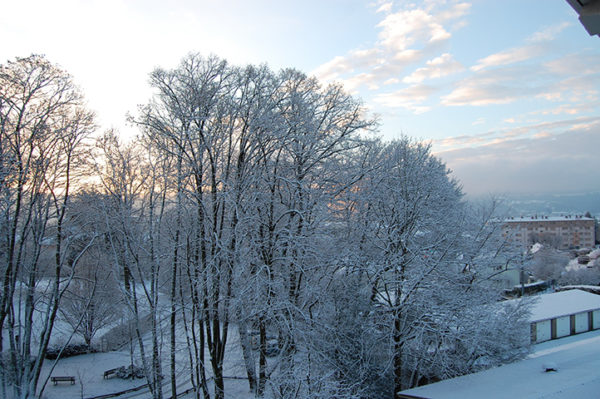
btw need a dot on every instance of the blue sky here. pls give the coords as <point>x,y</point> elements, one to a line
<point>508,92</point>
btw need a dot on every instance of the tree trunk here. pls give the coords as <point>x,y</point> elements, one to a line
<point>262,360</point>
<point>249,361</point>
<point>398,366</point>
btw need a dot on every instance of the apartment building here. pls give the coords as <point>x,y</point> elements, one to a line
<point>561,232</point>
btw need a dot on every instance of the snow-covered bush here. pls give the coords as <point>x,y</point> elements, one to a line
<point>70,350</point>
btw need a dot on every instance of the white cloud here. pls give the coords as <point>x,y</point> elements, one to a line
<point>572,88</point>
<point>385,7</point>
<point>510,56</point>
<point>410,98</point>
<point>404,29</point>
<point>497,86</point>
<point>367,79</point>
<point>549,33</point>
<point>438,67</point>
<point>527,131</point>
<point>557,80</point>
<point>454,13</point>
<point>574,64</point>
<point>570,109</point>
<point>332,70</point>
<point>536,47</point>
<point>406,36</point>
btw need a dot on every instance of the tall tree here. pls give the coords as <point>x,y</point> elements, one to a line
<point>426,260</point>
<point>136,180</point>
<point>189,120</point>
<point>43,127</point>
<point>92,300</point>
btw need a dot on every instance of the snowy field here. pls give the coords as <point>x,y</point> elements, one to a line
<point>576,358</point>
<point>89,369</point>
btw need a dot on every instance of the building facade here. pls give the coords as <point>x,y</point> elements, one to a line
<point>565,313</point>
<point>561,232</point>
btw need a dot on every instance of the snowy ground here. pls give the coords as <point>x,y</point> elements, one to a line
<point>576,358</point>
<point>88,371</point>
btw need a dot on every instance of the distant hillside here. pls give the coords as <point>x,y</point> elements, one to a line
<point>527,204</point>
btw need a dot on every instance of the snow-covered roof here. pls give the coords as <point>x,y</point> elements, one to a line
<point>576,359</point>
<point>594,289</point>
<point>549,306</point>
<point>541,218</point>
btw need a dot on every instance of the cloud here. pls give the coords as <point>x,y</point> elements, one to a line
<point>572,88</point>
<point>580,64</point>
<point>556,80</point>
<point>520,73</point>
<point>497,86</point>
<point>497,136</point>
<point>385,7</point>
<point>410,98</point>
<point>463,141</point>
<point>537,45</point>
<point>357,60</point>
<point>569,109</point>
<point>406,36</point>
<point>438,67</point>
<point>404,29</point>
<point>332,70</point>
<point>366,79</point>
<point>548,33</point>
<point>510,56</point>
<point>559,163</point>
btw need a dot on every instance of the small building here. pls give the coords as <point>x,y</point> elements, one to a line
<point>564,313</point>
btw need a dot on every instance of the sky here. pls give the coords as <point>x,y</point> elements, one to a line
<point>507,92</point>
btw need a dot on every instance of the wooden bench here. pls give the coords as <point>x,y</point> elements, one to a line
<point>65,378</point>
<point>110,372</point>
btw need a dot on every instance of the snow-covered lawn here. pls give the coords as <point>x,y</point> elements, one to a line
<point>576,358</point>
<point>89,369</point>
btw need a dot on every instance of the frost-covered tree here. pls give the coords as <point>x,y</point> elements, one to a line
<point>548,263</point>
<point>205,117</point>
<point>261,205</point>
<point>134,181</point>
<point>43,127</point>
<point>255,156</point>
<point>423,259</point>
<point>92,301</point>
